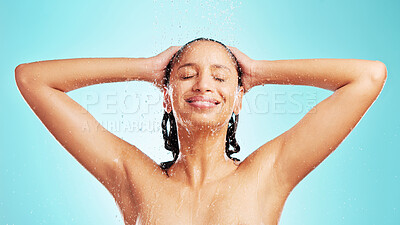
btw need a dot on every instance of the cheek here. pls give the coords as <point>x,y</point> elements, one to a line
<point>177,96</point>
<point>228,94</point>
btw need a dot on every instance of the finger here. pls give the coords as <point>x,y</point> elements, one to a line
<point>175,48</point>
<point>232,48</point>
<point>236,52</point>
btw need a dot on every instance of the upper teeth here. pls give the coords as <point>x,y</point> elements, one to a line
<point>202,101</point>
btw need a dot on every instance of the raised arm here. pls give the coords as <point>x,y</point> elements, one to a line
<point>356,84</point>
<point>43,85</point>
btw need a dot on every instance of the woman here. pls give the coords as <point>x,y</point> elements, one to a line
<point>203,87</point>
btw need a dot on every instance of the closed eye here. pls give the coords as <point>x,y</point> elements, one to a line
<point>185,78</point>
<point>218,79</point>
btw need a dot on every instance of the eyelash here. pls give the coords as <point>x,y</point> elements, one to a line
<point>218,79</point>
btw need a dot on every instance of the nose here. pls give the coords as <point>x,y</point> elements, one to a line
<point>203,83</point>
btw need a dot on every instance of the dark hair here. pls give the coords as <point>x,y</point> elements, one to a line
<point>171,136</point>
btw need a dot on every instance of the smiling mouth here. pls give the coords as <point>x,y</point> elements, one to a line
<point>202,99</point>
<point>202,102</point>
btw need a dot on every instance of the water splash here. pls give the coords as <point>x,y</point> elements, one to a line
<point>183,20</point>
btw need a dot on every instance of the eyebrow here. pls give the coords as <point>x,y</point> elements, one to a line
<point>219,66</point>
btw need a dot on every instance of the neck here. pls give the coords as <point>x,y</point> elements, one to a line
<point>202,156</point>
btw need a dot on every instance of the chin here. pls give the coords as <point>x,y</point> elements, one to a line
<point>196,118</point>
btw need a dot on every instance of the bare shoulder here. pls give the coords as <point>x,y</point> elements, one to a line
<point>261,166</point>
<point>140,170</point>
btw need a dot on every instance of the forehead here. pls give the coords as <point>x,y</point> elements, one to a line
<point>206,52</point>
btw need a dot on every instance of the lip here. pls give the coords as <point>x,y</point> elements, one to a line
<point>202,102</point>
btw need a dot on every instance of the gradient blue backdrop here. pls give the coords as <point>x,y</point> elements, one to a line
<point>41,183</point>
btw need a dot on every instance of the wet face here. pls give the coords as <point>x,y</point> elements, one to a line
<point>203,90</point>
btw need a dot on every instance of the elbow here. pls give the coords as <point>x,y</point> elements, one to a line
<point>18,70</point>
<point>24,76</point>
<point>379,72</point>
<point>19,74</point>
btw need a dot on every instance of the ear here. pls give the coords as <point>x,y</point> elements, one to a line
<point>238,101</point>
<point>167,100</point>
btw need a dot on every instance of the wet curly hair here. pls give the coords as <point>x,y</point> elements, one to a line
<point>171,136</point>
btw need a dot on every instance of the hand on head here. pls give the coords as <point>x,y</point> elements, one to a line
<point>247,66</point>
<point>159,63</point>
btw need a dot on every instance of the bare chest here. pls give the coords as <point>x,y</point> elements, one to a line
<point>231,202</point>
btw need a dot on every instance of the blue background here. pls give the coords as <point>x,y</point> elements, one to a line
<point>41,183</point>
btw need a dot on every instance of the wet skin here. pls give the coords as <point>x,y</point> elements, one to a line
<point>203,186</point>
<point>240,197</point>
